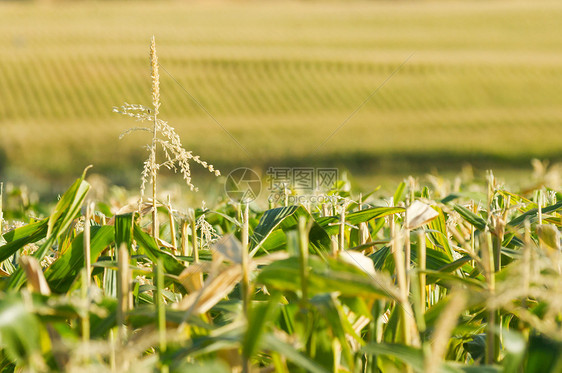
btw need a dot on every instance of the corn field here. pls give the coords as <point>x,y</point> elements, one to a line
<point>462,275</point>
<point>417,281</point>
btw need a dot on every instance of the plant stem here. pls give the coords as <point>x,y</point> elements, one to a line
<point>123,289</point>
<point>539,205</point>
<point>303,260</point>
<point>156,105</point>
<point>155,227</point>
<point>488,261</point>
<point>192,221</point>
<point>474,209</point>
<point>86,317</point>
<point>161,312</point>
<point>334,245</point>
<point>174,242</point>
<point>407,251</point>
<point>363,227</point>
<point>245,285</point>
<point>245,261</point>
<point>87,256</point>
<point>527,255</point>
<point>184,239</point>
<point>341,245</point>
<point>195,253</point>
<point>421,267</point>
<point>112,354</point>
<point>397,248</point>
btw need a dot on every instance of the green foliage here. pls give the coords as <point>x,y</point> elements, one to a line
<point>62,273</point>
<point>315,310</point>
<point>66,210</point>
<point>21,332</point>
<point>19,237</point>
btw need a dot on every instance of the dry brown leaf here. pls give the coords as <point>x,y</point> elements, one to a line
<point>34,272</point>
<point>230,248</point>
<point>165,244</point>
<point>219,283</point>
<point>358,260</point>
<point>190,277</point>
<point>214,289</point>
<point>419,214</point>
<point>145,207</point>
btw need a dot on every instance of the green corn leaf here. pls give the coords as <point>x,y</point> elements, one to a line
<point>408,355</point>
<point>325,276</point>
<point>204,366</point>
<point>549,237</point>
<point>475,220</point>
<point>379,257</point>
<point>438,232</point>
<point>328,222</point>
<point>543,355</point>
<point>62,273</point>
<point>68,207</point>
<point>66,210</point>
<point>20,331</point>
<point>435,259</point>
<point>259,314</point>
<point>448,279</point>
<point>399,193</point>
<point>19,237</point>
<point>532,214</point>
<point>330,307</point>
<point>124,230</point>
<point>515,347</point>
<point>147,243</point>
<point>273,343</point>
<point>476,196</point>
<point>269,233</point>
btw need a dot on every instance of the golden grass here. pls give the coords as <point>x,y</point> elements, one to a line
<point>281,77</point>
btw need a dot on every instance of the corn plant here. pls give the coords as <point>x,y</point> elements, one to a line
<point>163,136</point>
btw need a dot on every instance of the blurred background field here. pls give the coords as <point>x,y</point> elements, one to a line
<point>483,85</point>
